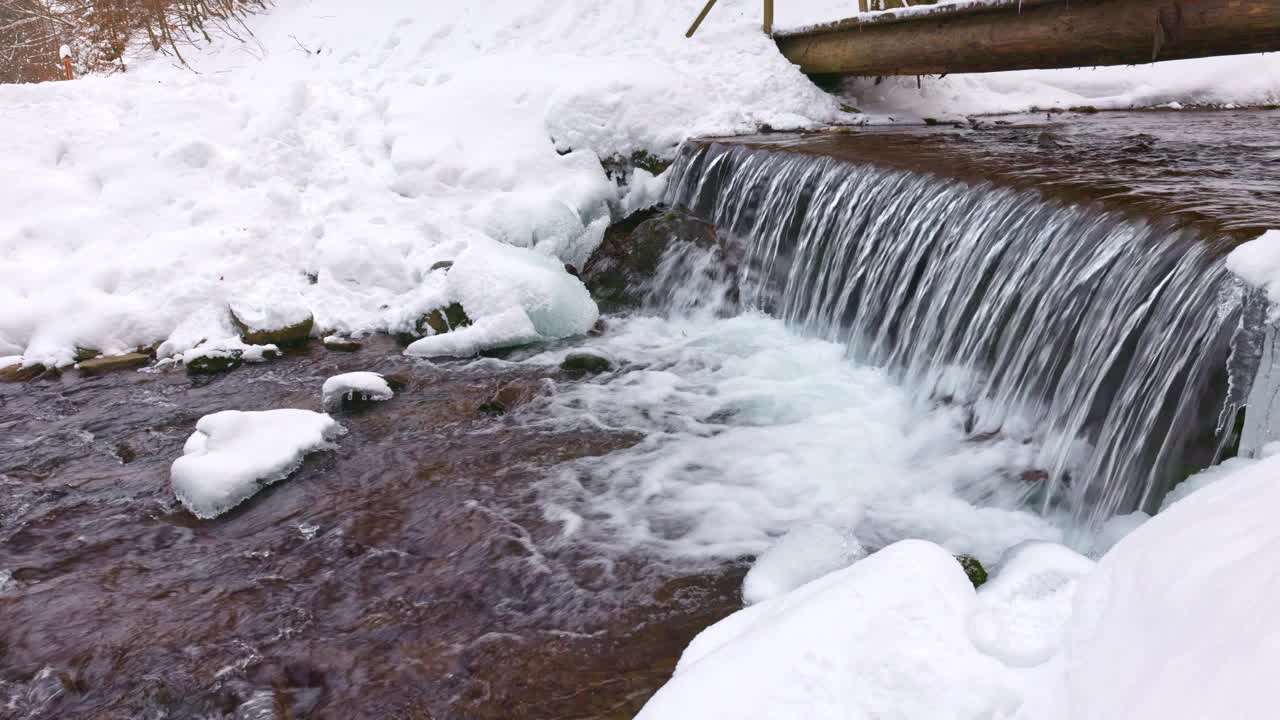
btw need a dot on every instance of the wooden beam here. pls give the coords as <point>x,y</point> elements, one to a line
<point>701,16</point>
<point>1026,34</point>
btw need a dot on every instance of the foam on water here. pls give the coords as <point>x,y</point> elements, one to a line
<point>750,430</point>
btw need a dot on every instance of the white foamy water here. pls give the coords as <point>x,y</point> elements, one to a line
<point>751,430</point>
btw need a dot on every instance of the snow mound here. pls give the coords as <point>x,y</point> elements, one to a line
<point>1021,613</point>
<point>882,638</point>
<point>1115,529</point>
<point>366,385</point>
<point>1178,621</point>
<point>513,296</point>
<point>805,553</point>
<point>232,454</point>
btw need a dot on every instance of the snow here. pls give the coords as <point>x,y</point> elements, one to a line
<point>1178,621</point>
<point>10,361</point>
<point>1257,262</point>
<point>64,52</point>
<point>367,385</point>
<point>513,296</point>
<point>233,454</point>
<point>805,553</point>
<point>882,638</point>
<point>1022,611</point>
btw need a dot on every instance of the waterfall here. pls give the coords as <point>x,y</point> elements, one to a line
<point>1104,339</point>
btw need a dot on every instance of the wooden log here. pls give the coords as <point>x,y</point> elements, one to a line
<point>1027,34</point>
<point>768,17</point>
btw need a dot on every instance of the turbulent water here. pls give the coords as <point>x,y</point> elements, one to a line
<point>1101,339</point>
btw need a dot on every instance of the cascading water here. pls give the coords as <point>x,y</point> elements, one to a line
<point>1102,338</point>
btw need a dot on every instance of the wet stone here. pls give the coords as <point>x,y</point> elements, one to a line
<point>442,265</point>
<point>577,365</point>
<point>18,373</point>
<point>973,568</point>
<point>338,343</point>
<point>214,364</point>
<point>287,336</point>
<point>128,361</point>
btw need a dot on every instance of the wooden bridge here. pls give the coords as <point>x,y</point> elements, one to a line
<point>1024,34</point>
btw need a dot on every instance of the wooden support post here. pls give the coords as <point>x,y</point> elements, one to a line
<point>768,17</point>
<point>68,69</point>
<point>701,16</point>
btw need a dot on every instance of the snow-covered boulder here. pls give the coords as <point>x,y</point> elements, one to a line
<point>805,553</point>
<point>283,324</point>
<point>512,296</point>
<point>354,387</point>
<point>233,454</point>
<point>883,638</point>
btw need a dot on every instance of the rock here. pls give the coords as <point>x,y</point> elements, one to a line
<point>1034,476</point>
<point>507,398</point>
<point>577,365</point>
<point>442,265</point>
<point>1048,139</point>
<point>571,270</point>
<point>617,167</point>
<point>440,320</point>
<point>598,329</point>
<point>627,259</point>
<point>83,354</point>
<point>338,343</point>
<point>128,361</point>
<point>396,382</point>
<point>973,568</point>
<point>287,336</point>
<point>18,373</point>
<point>212,364</point>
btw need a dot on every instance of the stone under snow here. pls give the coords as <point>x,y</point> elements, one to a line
<point>233,454</point>
<point>367,386</point>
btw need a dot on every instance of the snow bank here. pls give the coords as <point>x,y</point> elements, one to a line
<point>513,296</point>
<point>882,638</point>
<point>345,150</point>
<point>803,554</point>
<point>366,385</point>
<point>1178,621</point>
<point>233,454</point>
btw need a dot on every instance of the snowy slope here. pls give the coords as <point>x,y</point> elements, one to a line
<point>355,144</point>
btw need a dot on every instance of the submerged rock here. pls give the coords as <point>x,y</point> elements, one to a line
<point>578,365</point>
<point>128,361</point>
<point>507,398</point>
<point>973,568</point>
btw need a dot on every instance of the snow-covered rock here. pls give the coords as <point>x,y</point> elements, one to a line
<point>883,638</point>
<point>233,454</point>
<point>513,296</point>
<point>1178,621</point>
<point>1257,262</point>
<point>362,386</point>
<point>1021,613</point>
<point>803,554</point>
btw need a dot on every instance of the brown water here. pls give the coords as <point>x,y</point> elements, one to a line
<point>410,573</point>
<point>1219,170</point>
<point>406,574</point>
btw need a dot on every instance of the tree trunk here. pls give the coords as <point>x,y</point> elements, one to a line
<point>1026,34</point>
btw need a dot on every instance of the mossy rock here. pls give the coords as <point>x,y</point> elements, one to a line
<point>288,336</point>
<point>577,365</point>
<point>214,364</point>
<point>438,321</point>
<point>628,257</point>
<point>973,568</point>
<point>18,373</point>
<point>128,361</point>
<point>83,353</point>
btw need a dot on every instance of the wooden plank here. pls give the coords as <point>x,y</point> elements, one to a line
<point>1027,34</point>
